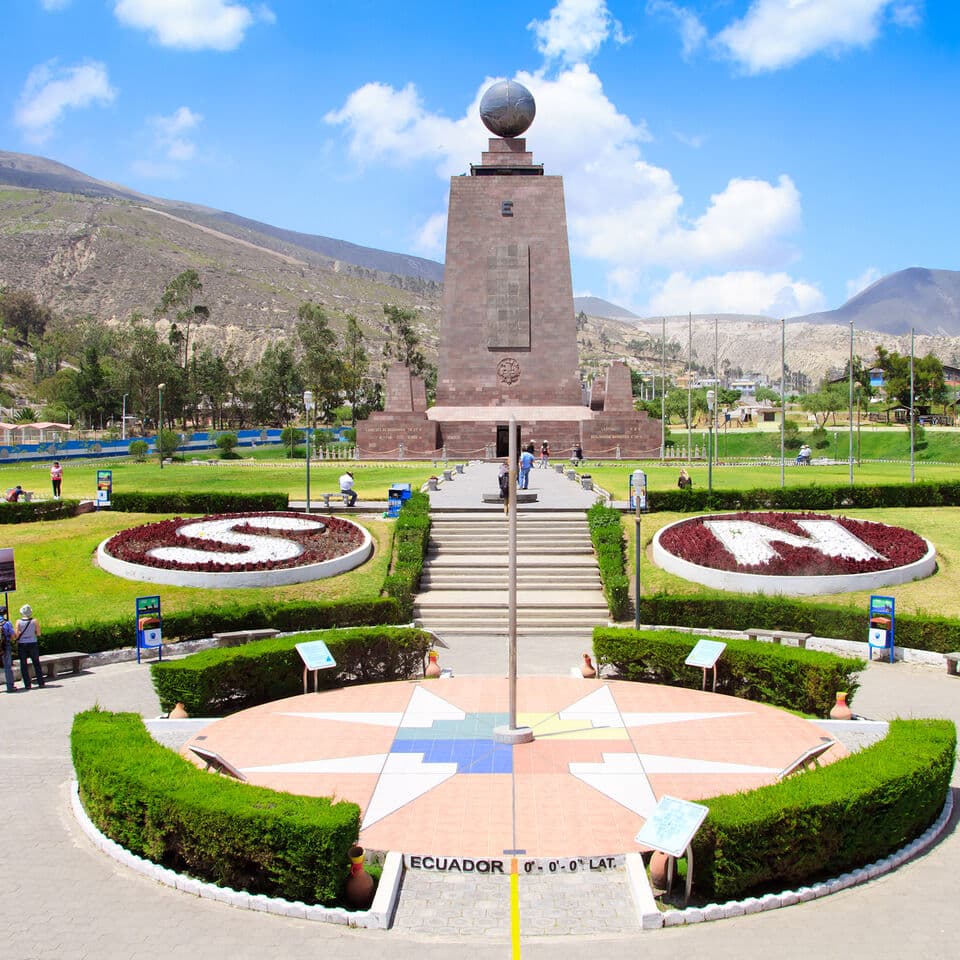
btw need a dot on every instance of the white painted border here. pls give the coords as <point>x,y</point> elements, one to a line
<point>238,578</point>
<point>376,918</point>
<point>790,586</point>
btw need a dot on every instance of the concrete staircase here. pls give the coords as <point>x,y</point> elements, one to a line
<point>464,591</point>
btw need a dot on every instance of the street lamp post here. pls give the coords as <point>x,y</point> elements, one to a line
<point>711,397</point>
<point>123,419</point>
<point>160,387</point>
<point>309,406</point>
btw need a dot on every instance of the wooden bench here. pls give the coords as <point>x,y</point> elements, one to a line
<point>49,662</point>
<point>233,638</point>
<point>777,636</point>
<point>953,662</point>
<point>523,496</point>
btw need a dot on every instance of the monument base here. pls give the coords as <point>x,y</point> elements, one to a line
<point>398,435</point>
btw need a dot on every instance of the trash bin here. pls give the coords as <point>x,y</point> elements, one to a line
<point>401,491</point>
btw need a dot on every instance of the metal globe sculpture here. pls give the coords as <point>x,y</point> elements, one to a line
<point>507,108</point>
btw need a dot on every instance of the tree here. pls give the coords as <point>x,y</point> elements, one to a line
<point>168,442</point>
<point>403,344</point>
<point>179,294</point>
<point>765,393</point>
<point>354,366</point>
<point>138,449</point>
<point>225,444</point>
<point>273,386</point>
<point>823,403</point>
<point>23,314</point>
<point>928,381</point>
<point>321,359</point>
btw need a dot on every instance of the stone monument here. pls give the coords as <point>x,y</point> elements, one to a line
<point>508,338</point>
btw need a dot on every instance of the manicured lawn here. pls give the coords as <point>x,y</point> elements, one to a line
<point>58,575</point>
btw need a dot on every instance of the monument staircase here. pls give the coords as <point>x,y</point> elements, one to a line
<point>464,589</point>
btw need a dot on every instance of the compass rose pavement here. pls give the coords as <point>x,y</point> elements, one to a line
<point>420,760</point>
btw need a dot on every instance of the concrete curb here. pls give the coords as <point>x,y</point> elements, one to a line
<point>378,917</point>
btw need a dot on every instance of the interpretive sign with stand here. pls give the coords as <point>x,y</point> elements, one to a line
<point>215,762</point>
<point>315,656</point>
<point>104,489</point>
<point>149,626</point>
<point>880,632</point>
<point>670,828</point>
<point>706,654</point>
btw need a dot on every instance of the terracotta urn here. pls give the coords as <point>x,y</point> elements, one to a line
<point>587,668</point>
<point>840,710</point>
<point>358,891</point>
<point>658,869</point>
<point>179,712</point>
<point>433,667</point>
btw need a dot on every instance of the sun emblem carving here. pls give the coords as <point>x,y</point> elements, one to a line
<point>508,370</point>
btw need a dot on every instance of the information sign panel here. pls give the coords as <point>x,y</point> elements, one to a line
<point>104,488</point>
<point>672,825</point>
<point>705,654</point>
<point>8,573</point>
<point>315,655</point>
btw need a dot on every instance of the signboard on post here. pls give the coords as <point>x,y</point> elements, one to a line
<point>671,828</point>
<point>706,654</point>
<point>104,488</point>
<point>315,656</point>
<point>880,632</point>
<point>8,573</point>
<point>149,625</point>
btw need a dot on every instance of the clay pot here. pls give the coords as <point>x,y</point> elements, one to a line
<point>658,869</point>
<point>358,891</point>
<point>840,710</point>
<point>179,712</point>
<point>433,667</point>
<point>587,668</point>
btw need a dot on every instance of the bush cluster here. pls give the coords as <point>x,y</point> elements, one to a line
<point>829,820</point>
<point>804,680</point>
<point>836,497</point>
<point>199,502</point>
<point>742,611</point>
<point>226,679</point>
<point>411,537</point>
<point>159,806</point>
<point>24,512</point>
<point>607,536</point>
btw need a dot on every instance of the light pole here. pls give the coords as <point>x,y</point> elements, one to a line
<point>711,397</point>
<point>308,405</point>
<point>160,387</point>
<point>859,387</point>
<point>123,418</point>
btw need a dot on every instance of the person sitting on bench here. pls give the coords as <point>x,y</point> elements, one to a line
<point>683,481</point>
<point>346,488</point>
<point>804,455</point>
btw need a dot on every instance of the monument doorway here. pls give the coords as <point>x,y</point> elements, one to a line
<point>503,440</point>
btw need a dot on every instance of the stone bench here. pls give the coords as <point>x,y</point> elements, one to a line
<point>50,662</point>
<point>234,638</point>
<point>953,662</point>
<point>327,497</point>
<point>760,633</point>
<point>523,496</point>
<point>447,474</point>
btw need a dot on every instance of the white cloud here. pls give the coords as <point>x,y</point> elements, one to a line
<point>692,31</point>
<point>55,4</point>
<point>859,284</point>
<point>779,33</point>
<point>171,144</point>
<point>575,30</point>
<point>192,24</point>
<point>746,291</point>
<point>50,90</point>
<point>429,240</point>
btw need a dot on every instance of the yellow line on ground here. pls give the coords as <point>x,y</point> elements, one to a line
<point>514,910</point>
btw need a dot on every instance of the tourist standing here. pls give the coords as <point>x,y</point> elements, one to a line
<point>545,454</point>
<point>526,462</point>
<point>504,482</point>
<point>346,488</point>
<point>56,477</point>
<point>27,635</point>
<point>6,649</point>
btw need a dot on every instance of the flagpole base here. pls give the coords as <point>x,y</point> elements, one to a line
<point>507,734</point>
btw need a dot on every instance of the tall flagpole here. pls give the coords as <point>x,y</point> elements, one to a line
<point>715,413</point>
<point>663,387</point>
<point>689,383</point>
<point>851,404</point>
<point>783,396</point>
<point>913,417</point>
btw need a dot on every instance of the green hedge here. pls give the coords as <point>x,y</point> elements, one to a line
<point>159,806</point>
<point>199,502</point>
<point>23,512</point>
<point>219,681</point>
<point>411,537</point>
<point>814,497</point>
<point>804,680</point>
<point>828,820</point>
<point>607,536</point>
<point>743,611</point>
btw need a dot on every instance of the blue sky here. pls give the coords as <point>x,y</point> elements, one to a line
<point>750,156</point>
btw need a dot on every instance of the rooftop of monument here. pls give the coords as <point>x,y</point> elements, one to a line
<point>498,414</point>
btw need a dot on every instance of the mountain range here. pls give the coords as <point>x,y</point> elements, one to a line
<point>88,247</point>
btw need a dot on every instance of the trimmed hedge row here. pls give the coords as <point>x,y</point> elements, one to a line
<point>804,680</point>
<point>411,537</point>
<point>159,806</point>
<point>24,512</point>
<point>828,820</point>
<point>199,502</point>
<point>742,611</point>
<point>835,497</point>
<point>607,536</point>
<point>223,680</point>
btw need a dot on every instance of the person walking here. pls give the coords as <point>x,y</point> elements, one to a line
<point>27,635</point>
<point>56,477</point>
<point>6,649</point>
<point>526,462</point>
<point>346,488</point>
<point>545,454</point>
<point>503,479</point>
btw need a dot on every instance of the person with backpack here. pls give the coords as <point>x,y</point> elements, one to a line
<point>6,649</point>
<point>27,635</point>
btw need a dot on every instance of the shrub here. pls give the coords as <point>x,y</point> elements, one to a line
<point>138,449</point>
<point>226,442</point>
<point>24,512</point>
<point>804,680</point>
<point>158,805</point>
<point>226,679</point>
<point>202,503</point>
<point>828,820</point>
<point>607,536</point>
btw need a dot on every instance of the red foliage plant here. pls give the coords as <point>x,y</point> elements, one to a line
<point>693,541</point>
<point>333,538</point>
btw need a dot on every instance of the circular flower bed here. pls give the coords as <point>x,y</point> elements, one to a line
<point>792,553</point>
<point>234,550</point>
